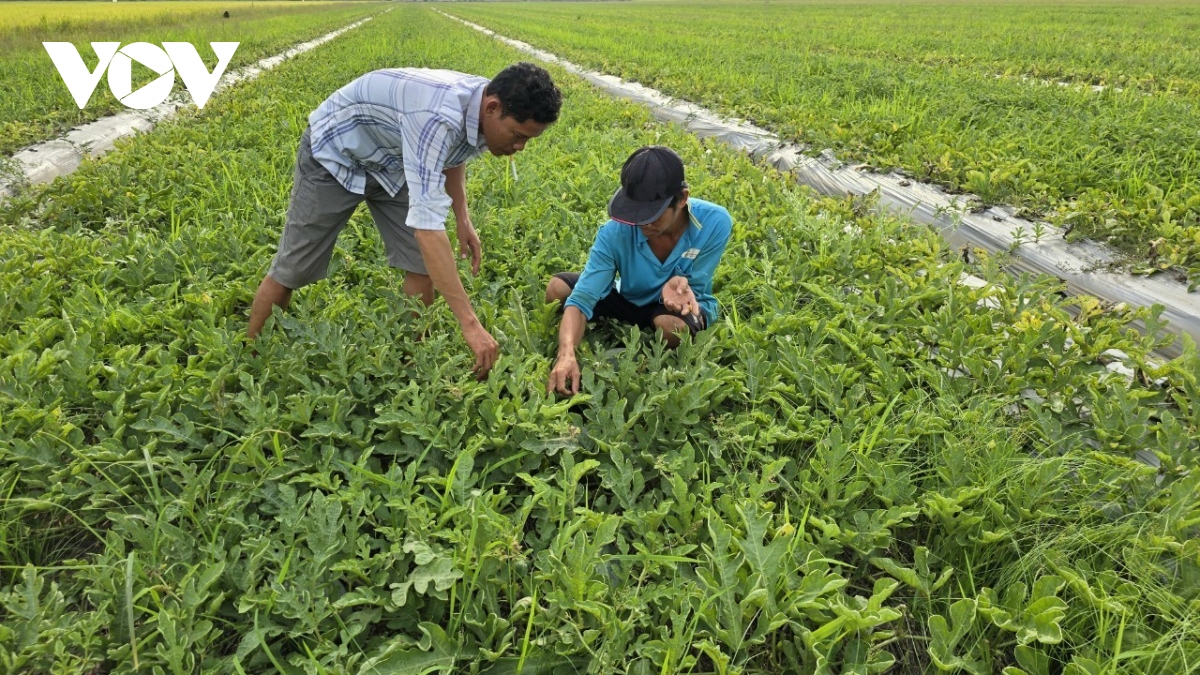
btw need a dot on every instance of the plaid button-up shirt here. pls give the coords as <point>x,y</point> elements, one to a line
<point>401,125</point>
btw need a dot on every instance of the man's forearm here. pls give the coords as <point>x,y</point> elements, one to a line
<point>456,187</point>
<point>439,263</point>
<point>570,333</point>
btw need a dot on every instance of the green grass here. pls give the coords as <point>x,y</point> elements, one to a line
<point>858,447</point>
<point>35,104</point>
<point>956,93</point>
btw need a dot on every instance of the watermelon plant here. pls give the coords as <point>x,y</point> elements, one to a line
<point>864,467</point>
<point>1082,115</point>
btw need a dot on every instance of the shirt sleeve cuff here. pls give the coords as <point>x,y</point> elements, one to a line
<point>587,311</point>
<point>430,215</point>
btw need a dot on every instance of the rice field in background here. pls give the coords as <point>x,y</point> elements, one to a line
<point>35,105</point>
<point>57,16</point>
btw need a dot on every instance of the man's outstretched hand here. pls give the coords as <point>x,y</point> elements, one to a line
<point>677,296</point>
<point>486,349</point>
<point>564,377</point>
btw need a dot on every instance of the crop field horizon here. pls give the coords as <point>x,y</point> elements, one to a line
<point>34,104</point>
<point>60,14</point>
<point>864,466</point>
<point>961,94</point>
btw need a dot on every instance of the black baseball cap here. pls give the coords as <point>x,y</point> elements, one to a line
<point>650,179</point>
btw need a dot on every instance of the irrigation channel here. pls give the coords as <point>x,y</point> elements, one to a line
<point>43,162</point>
<point>1082,266</point>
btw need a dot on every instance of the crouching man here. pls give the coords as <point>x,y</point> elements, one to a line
<point>661,249</point>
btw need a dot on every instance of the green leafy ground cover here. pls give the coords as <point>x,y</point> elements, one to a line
<point>861,466</point>
<point>951,92</point>
<point>35,104</point>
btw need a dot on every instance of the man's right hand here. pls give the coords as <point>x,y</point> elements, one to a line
<point>439,260</point>
<point>677,296</point>
<point>486,349</point>
<point>564,377</point>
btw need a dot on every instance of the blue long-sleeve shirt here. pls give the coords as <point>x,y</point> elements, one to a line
<point>622,251</point>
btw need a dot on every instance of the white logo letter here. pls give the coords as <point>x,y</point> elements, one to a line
<point>120,75</point>
<point>80,82</point>
<point>196,78</point>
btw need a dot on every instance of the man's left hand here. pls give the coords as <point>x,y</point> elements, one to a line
<point>468,245</point>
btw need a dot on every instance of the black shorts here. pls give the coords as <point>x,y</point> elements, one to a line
<point>615,306</point>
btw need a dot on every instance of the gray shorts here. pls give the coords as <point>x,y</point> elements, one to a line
<point>318,210</point>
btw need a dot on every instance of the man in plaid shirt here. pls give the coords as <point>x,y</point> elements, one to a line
<point>399,139</point>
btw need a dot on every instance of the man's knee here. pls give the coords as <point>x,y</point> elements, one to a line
<point>670,327</point>
<point>274,289</point>
<point>557,290</point>
<point>419,285</point>
<point>415,280</point>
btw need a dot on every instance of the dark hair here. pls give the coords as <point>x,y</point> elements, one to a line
<point>526,91</point>
<point>677,198</point>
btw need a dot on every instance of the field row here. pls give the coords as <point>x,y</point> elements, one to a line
<point>863,465</point>
<point>936,90</point>
<point>35,105</point>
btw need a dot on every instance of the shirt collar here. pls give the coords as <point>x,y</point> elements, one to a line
<point>475,138</point>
